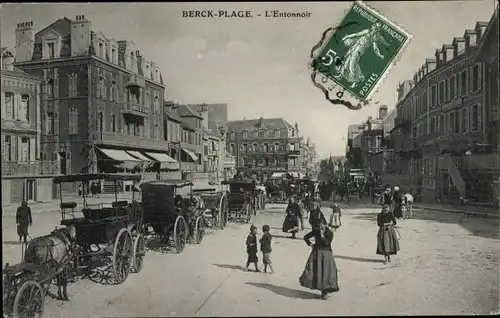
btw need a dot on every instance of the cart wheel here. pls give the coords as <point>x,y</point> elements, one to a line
<point>122,255</point>
<point>139,253</point>
<point>223,207</point>
<point>248,214</point>
<point>180,234</point>
<point>29,301</point>
<point>199,230</point>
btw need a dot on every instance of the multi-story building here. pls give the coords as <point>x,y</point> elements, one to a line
<point>188,148</point>
<point>366,142</point>
<point>382,159</point>
<point>266,145</point>
<point>103,99</point>
<point>24,174</point>
<point>449,108</point>
<point>309,158</point>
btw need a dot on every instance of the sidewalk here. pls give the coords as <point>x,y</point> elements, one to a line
<point>465,209</point>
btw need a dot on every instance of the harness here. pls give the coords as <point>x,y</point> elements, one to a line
<point>65,238</point>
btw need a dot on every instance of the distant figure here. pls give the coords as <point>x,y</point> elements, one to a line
<point>386,197</point>
<point>335,217</point>
<point>408,201</point>
<point>397,199</point>
<point>23,221</point>
<point>387,241</point>
<point>293,217</point>
<point>80,190</point>
<point>265,247</point>
<point>252,248</point>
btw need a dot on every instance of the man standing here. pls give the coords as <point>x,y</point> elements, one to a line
<point>23,220</point>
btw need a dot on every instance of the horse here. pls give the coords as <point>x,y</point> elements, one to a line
<point>54,251</point>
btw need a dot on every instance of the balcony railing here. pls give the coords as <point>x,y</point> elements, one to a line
<point>10,168</point>
<point>115,139</point>
<point>132,108</point>
<point>136,80</point>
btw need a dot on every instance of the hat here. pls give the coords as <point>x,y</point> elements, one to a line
<point>253,227</point>
<point>396,188</point>
<point>385,206</point>
<point>388,189</point>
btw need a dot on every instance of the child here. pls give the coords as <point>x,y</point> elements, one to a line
<point>265,247</point>
<point>335,217</point>
<point>252,248</point>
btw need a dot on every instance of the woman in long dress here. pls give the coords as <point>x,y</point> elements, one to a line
<point>387,240</point>
<point>316,217</point>
<point>397,199</point>
<point>320,272</point>
<point>293,217</point>
<point>357,43</point>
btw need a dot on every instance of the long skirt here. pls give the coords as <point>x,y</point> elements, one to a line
<point>387,241</point>
<point>320,272</point>
<point>252,257</point>
<point>398,210</point>
<point>291,223</point>
<point>22,229</point>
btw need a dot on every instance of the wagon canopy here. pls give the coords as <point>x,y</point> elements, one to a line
<point>96,176</point>
<point>175,183</point>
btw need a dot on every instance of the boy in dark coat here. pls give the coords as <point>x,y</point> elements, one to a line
<point>23,220</point>
<point>252,248</point>
<point>265,247</point>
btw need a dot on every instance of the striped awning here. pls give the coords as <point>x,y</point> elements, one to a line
<point>190,154</point>
<point>127,161</point>
<point>165,160</point>
<point>138,155</point>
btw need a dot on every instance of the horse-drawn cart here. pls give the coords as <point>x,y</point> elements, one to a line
<point>240,197</point>
<point>112,232</point>
<point>216,204</point>
<point>106,231</point>
<point>173,217</point>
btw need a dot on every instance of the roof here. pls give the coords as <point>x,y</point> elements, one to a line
<point>176,183</point>
<point>186,125</point>
<point>172,115</point>
<point>96,176</point>
<point>252,124</point>
<point>186,111</point>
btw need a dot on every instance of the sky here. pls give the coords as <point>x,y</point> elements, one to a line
<point>258,66</point>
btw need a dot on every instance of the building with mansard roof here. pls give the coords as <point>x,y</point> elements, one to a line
<point>103,98</point>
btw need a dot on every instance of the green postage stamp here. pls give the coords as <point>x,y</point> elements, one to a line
<point>359,53</point>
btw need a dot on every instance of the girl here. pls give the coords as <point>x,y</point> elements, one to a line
<point>387,241</point>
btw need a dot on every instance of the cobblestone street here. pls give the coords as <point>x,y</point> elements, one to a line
<point>447,265</point>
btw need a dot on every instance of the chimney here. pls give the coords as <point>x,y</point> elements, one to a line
<point>261,122</point>
<point>80,36</point>
<point>296,126</point>
<point>25,41</point>
<point>382,112</point>
<point>8,61</point>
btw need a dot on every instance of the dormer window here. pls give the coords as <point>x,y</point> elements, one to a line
<point>157,77</point>
<point>51,50</point>
<point>113,56</point>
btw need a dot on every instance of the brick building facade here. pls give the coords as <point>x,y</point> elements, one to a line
<point>102,97</point>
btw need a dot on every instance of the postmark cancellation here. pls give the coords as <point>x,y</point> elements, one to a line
<point>352,59</point>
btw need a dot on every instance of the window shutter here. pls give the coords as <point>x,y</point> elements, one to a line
<point>467,121</point>
<point>470,79</point>
<point>15,107</point>
<point>56,124</point>
<point>480,76</point>
<point>480,117</point>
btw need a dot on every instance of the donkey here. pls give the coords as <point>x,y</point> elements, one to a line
<point>52,251</point>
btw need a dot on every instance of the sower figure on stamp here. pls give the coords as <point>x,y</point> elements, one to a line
<point>357,43</point>
<point>23,220</point>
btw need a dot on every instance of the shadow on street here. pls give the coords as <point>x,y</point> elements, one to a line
<point>11,243</point>
<point>229,266</point>
<point>285,291</point>
<point>360,259</point>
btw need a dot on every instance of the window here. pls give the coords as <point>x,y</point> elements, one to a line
<point>255,147</point>
<point>244,147</point>
<point>475,78</point>
<point>73,121</point>
<point>449,124</point>
<point>51,123</point>
<point>102,87</point>
<point>433,124</point>
<point>291,162</point>
<point>50,88</point>
<point>113,56</point>
<point>245,135</point>
<point>72,85</point>
<point>25,149</point>
<point>148,100</point>
<point>463,83</point>
<point>456,121</point>
<point>266,148</point>
<point>442,92</point>
<point>113,123</point>
<point>448,90</point>
<point>24,108</point>
<point>233,153</point>
<point>244,161</point>
<point>453,87</point>
<point>7,149</point>
<point>101,51</point>
<point>271,133</point>
<point>463,124</point>
<point>433,98</point>
<point>9,105</point>
<point>441,124</point>
<point>262,133</point>
<point>100,122</point>
<point>51,50</point>
<point>292,147</point>
<point>278,133</point>
<point>474,126</point>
